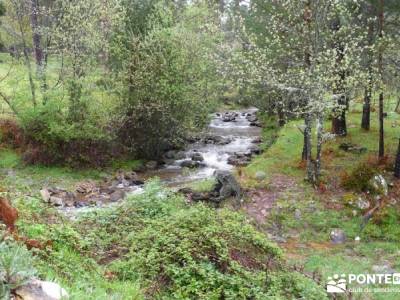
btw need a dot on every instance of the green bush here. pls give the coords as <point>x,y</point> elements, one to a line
<point>15,267</point>
<point>180,251</point>
<point>53,137</point>
<point>384,226</point>
<point>201,253</point>
<point>359,178</point>
<point>170,81</point>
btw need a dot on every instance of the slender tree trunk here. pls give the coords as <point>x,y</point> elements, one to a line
<point>39,53</point>
<point>339,126</point>
<point>397,164</point>
<point>381,96</point>
<point>26,53</point>
<point>397,106</point>
<point>381,128</point>
<point>306,155</point>
<point>307,139</point>
<point>366,116</point>
<point>30,74</point>
<point>320,131</point>
<point>281,112</point>
<point>307,145</point>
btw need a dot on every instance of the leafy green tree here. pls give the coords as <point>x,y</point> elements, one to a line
<point>167,68</point>
<point>299,58</point>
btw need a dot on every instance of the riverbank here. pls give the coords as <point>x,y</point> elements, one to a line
<point>301,218</point>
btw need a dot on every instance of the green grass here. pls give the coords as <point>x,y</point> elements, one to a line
<point>29,179</point>
<point>126,165</point>
<point>9,159</point>
<point>284,156</point>
<point>204,185</point>
<point>16,86</point>
<point>308,237</point>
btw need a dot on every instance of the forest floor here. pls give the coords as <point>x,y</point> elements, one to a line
<point>300,218</point>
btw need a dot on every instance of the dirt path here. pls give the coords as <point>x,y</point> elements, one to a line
<point>261,201</point>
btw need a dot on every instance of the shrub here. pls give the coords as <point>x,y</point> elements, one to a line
<point>178,251</point>
<point>15,267</point>
<point>11,133</point>
<point>385,225</point>
<point>200,253</point>
<point>51,137</point>
<point>359,178</point>
<point>170,80</point>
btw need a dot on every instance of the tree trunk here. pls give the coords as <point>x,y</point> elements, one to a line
<point>221,6</point>
<point>38,50</point>
<point>307,138</point>
<point>397,164</point>
<point>381,128</point>
<point>306,155</point>
<point>320,131</point>
<point>397,106</point>
<point>339,126</point>
<point>281,113</point>
<point>366,115</point>
<point>26,56</point>
<point>307,146</point>
<point>381,97</point>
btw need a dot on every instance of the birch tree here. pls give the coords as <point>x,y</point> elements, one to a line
<point>293,48</point>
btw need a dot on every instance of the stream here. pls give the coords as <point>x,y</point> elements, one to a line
<point>230,140</point>
<point>240,134</point>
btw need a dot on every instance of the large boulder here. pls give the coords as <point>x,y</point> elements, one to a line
<point>151,165</point>
<point>197,157</point>
<point>216,140</point>
<point>172,154</point>
<point>338,236</point>
<point>87,187</point>
<point>260,175</point>
<point>252,118</point>
<point>191,164</point>
<point>58,197</point>
<point>239,159</point>
<point>40,290</point>
<point>126,179</point>
<point>229,116</point>
<point>226,186</point>
<point>352,148</point>
<point>255,124</point>
<point>117,195</point>
<point>379,184</point>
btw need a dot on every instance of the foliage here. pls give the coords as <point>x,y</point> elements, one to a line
<point>359,178</point>
<point>191,252</point>
<point>385,225</point>
<point>10,133</point>
<point>169,78</point>
<point>15,267</point>
<point>51,138</point>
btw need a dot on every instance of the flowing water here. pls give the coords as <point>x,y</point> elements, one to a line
<point>215,156</point>
<point>241,136</point>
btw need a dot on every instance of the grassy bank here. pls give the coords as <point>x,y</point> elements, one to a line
<point>302,218</point>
